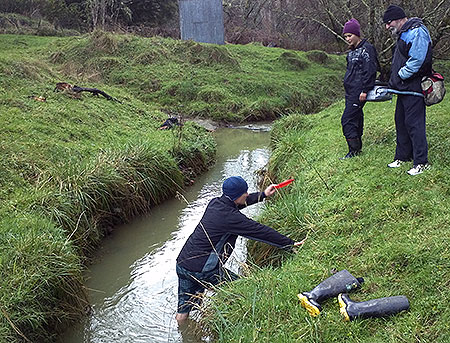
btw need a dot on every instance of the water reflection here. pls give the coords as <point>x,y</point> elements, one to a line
<point>133,283</point>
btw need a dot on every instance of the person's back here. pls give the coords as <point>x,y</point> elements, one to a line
<point>202,258</point>
<point>209,236</point>
<point>215,235</point>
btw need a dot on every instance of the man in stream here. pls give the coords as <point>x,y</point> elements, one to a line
<point>202,258</point>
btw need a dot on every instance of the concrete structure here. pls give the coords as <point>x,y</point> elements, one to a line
<point>202,21</point>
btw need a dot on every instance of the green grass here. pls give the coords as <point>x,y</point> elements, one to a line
<point>378,223</point>
<point>71,168</point>
<point>232,83</point>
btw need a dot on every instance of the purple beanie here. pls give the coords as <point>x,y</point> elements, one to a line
<point>352,26</point>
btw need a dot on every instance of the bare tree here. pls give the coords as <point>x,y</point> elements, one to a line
<point>317,24</point>
<point>107,13</point>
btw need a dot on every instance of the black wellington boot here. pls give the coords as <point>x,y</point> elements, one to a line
<point>374,308</point>
<point>340,282</point>
<point>354,148</point>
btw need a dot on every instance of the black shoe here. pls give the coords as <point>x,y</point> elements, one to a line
<point>350,154</point>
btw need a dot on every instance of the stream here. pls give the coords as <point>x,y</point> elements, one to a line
<point>132,283</point>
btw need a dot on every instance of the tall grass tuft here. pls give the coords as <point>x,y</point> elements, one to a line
<point>115,187</point>
<point>39,268</point>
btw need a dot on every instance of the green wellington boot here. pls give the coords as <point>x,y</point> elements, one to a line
<point>340,282</point>
<point>374,308</point>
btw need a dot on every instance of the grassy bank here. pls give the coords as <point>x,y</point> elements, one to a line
<point>378,223</point>
<point>232,83</point>
<point>72,167</point>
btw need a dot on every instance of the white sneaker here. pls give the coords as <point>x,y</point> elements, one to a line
<point>419,169</point>
<point>396,164</point>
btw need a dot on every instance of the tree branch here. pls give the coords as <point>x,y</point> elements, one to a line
<point>322,24</point>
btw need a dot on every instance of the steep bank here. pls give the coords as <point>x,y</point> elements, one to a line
<point>230,82</point>
<point>73,166</point>
<point>71,169</point>
<point>378,223</point>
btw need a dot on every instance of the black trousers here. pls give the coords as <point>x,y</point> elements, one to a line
<point>352,119</point>
<point>410,127</point>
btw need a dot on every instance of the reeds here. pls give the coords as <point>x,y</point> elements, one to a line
<point>115,187</point>
<point>38,272</point>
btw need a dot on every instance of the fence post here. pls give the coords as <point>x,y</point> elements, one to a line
<point>202,21</point>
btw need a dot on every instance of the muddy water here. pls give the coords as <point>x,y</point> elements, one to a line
<point>133,284</point>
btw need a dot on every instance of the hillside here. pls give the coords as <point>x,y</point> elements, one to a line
<point>378,223</point>
<point>74,165</point>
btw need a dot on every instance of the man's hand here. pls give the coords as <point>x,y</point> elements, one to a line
<point>270,190</point>
<point>363,97</point>
<point>297,244</point>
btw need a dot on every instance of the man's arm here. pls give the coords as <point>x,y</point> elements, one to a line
<point>246,227</point>
<point>254,198</point>
<point>369,71</point>
<point>417,53</point>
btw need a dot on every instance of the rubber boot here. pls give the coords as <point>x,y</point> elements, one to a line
<point>375,308</point>
<point>354,148</point>
<point>340,282</point>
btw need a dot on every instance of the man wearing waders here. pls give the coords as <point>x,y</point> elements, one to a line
<point>202,258</point>
<point>410,62</point>
<point>362,66</point>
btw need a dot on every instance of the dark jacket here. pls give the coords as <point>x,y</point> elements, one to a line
<point>215,235</point>
<point>362,67</point>
<point>412,57</point>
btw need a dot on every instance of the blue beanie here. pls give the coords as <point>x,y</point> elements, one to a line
<point>234,187</point>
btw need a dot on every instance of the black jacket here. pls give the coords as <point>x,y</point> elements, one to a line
<point>412,57</point>
<point>215,235</point>
<point>362,67</point>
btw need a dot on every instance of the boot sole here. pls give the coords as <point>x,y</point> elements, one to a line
<point>313,310</point>
<point>343,308</point>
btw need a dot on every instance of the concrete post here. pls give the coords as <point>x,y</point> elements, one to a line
<point>202,21</point>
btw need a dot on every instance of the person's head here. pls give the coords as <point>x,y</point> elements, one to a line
<point>352,32</point>
<point>394,18</point>
<point>235,187</point>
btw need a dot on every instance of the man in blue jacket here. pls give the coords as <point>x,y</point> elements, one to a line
<point>410,62</point>
<point>202,258</point>
<point>362,66</point>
